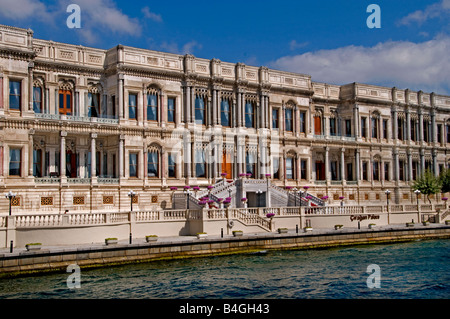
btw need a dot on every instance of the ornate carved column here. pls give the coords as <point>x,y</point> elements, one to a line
<point>93,157</point>
<point>120,94</point>
<point>62,162</point>
<point>121,156</point>
<point>343,177</point>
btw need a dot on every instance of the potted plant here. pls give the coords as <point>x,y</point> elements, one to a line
<point>282,230</point>
<point>173,188</point>
<point>244,199</point>
<point>151,238</point>
<point>338,226</point>
<point>33,246</point>
<point>410,224</point>
<point>237,233</point>
<point>270,215</point>
<point>447,222</point>
<point>371,226</point>
<point>307,228</point>
<point>111,241</point>
<point>425,223</point>
<point>202,235</point>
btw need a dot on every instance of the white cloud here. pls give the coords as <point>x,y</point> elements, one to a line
<point>188,48</point>
<point>418,66</point>
<point>293,45</point>
<point>24,9</point>
<point>151,15</point>
<point>435,10</point>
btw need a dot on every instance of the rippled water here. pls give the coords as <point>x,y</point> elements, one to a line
<point>417,269</point>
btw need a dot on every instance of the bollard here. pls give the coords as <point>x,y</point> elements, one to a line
<point>131,240</point>
<point>221,233</point>
<point>296,229</point>
<point>359,226</point>
<point>11,246</point>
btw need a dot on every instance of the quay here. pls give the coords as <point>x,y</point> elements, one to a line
<point>58,257</point>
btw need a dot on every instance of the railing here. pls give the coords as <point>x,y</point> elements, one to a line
<point>74,118</point>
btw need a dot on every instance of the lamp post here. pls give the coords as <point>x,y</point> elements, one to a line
<point>417,192</point>
<point>10,195</point>
<point>387,192</point>
<point>131,194</point>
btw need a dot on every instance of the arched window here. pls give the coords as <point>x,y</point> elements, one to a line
<point>93,102</point>
<point>38,106</point>
<point>65,98</point>
<point>152,104</point>
<point>153,162</point>
<point>225,112</point>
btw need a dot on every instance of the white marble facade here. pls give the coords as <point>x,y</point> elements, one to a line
<point>157,120</point>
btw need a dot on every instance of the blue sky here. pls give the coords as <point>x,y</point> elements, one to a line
<point>327,39</point>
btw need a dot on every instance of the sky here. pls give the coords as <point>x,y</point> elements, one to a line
<point>327,39</point>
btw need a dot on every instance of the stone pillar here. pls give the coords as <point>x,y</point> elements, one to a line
<point>1,92</point>
<point>397,166</point>
<point>356,121</point>
<point>408,125</point>
<point>30,153</point>
<point>433,127</point>
<point>343,177</point>
<point>93,157</point>
<point>420,125</point>
<point>30,86</point>
<point>121,156</point>
<point>121,97</point>
<point>62,162</point>
<point>357,165</point>
<point>435,166</point>
<point>327,164</point>
<point>214,108</point>
<point>395,124</point>
<point>410,177</point>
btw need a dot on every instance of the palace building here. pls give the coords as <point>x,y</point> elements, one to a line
<point>80,127</point>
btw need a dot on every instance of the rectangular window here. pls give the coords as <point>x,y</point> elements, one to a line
<point>275,118</point>
<point>65,102</point>
<point>385,129</point>
<point>132,106</point>
<point>348,128</point>
<point>200,163</point>
<point>413,130</point>
<point>250,164</point>
<point>439,133</point>
<point>152,107</point>
<point>133,164</point>
<point>375,171</point>
<point>288,120</point>
<point>225,113</point>
<point>333,127</point>
<point>374,128</point>
<point>276,168</point>
<point>400,129</point>
<point>401,165</point>
<point>320,171</point>
<point>289,168</point>
<point>37,99</point>
<point>172,165</point>
<point>303,169</point>
<point>15,161</point>
<point>414,170</point>
<point>334,170</point>
<point>302,127</point>
<point>426,136</point>
<point>15,95</point>
<point>386,171</point>
<point>93,104</point>
<point>249,115</point>
<point>200,110</point>
<point>37,163</point>
<point>349,171</point>
<point>363,127</point>
<point>171,110</point>
<point>152,164</point>
<point>364,171</point>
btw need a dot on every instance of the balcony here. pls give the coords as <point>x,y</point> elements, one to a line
<point>73,118</point>
<point>335,137</point>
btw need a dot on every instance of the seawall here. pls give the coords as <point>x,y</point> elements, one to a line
<point>58,258</point>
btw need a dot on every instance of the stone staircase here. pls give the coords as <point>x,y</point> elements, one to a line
<point>279,197</point>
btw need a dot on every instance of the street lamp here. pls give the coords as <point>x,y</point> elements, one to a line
<point>131,194</point>
<point>387,192</point>
<point>417,192</point>
<point>10,196</point>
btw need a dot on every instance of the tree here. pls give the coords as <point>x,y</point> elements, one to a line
<point>444,179</point>
<point>427,184</point>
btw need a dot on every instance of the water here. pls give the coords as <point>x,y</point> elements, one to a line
<point>417,269</point>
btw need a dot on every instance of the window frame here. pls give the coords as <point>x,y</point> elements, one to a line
<point>67,96</point>
<point>19,106</point>
<point>173,110</point>
<point>130,154</point>
<point>157,175</point>
<point>135,107</point>
<point>19,150</point>
<point>151,107</point>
